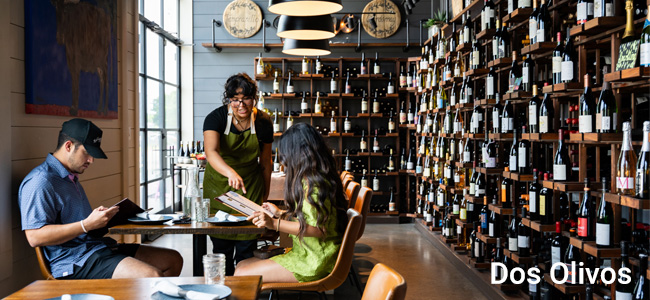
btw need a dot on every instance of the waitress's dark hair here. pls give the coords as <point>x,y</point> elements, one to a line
<point>237,81</point>
<point>308,160</point>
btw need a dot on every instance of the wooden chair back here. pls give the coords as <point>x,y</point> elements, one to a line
<point>384,283</point>
<point>362,205</point>
<point>351,193</point>
<point>343,263</point>
<point>43,265</point>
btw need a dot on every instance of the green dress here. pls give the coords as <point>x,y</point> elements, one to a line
<point>313,258</point>
<point>241,152</point>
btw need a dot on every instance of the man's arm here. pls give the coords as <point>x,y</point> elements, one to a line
<point>58,234</point>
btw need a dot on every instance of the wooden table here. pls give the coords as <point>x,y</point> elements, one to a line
<point>243,287</point>
<point>197,230</point>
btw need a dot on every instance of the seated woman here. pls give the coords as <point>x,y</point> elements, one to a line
<point>316,216</point>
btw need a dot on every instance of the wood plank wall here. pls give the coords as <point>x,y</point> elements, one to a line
<point>27,139</point>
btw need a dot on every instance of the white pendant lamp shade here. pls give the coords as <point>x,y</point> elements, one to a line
<point>306,28</point>
<point>304,7</point>
<point>306,47</point>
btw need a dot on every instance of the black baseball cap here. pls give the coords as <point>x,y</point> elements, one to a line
<point>87,134</point>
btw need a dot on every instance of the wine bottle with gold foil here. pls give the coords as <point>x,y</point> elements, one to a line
<point>626,165</point>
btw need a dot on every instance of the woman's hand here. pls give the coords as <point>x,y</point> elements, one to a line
<point>262,220</point>
<point>235,181</point>
<point>272,208</point>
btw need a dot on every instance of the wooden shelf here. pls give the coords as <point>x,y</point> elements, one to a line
<point>628,75</point>
<point>591,249</point>
<point>476,136</point>
<point>499,210</point>
<point>635,202</point>
<point>489,171</point>
<point>464,224</point>
<point>500,62</point>
<point>472,199</point>
<point>464,47</point>
<point>474,8</point>
<point>476,72</point>
<point>463,165</point>
<point>485,238</point>
<point>518,15</point>
<point>566,289</point>
<point>477,265</point>
<point>518,95</point>
<point>567,87</point>
<point>537,226</point>
<point>500,136</point>
<point>597,25</point>
<point>596,137</point>
<point>486,34</point>
<point>448,241</point>
<point>538,48</point>
<point>540,137</point>
<point>486,102</point>
<point>518,177</point>
<point>518,259</point>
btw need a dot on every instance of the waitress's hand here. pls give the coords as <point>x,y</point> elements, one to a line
<point>235,181</point>
<point>261,220</point>
<point>272,208</point>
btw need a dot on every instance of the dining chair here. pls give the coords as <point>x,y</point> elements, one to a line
<point>344,173</point>
<point>384,283</point>
<point>339,272</point>
<point>348,178</point>
<point>351,193</point>
<point>43,265</point>
<point>362,205</point>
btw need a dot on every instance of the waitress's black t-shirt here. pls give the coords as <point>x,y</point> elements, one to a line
<point>217,119</point>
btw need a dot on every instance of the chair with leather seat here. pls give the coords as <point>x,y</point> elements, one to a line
<point>351,192</point>
<point>362,205</point>
<point>339,272</point>
<point>348,178</point>
<point>43,265</point>
<point>344,173</point>
<point>384,283</point>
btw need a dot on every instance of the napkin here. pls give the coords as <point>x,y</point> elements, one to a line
<point>223,216</point>
<point>170,289</point>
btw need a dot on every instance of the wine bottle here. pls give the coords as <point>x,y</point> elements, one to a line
<point>391,123</point>
<point>289,121</point>
<point>484,218</point>
<point>546,113</point>
<point>348,87</point>
<point>348,161</point>
<point>276,125</point>
<point>527,74</point>
<point>409,77</point>
<point>480,185</point>
<point>513,245</point>
<point>499,257</point>
<point>391,162</point>
<point>260,65</point>
<point>467,152</point>
<point>305,65</point>
<point>347,125</point>
<point>496,40</point>
<point>391,202</point>
<point>479,249</point>
<point>586,215</point>
<point>276,161</point>
<point>490,84</point>
<point>276,84</point>
<point>606,110</point>
<point>493,223</point>
<point>304,106</point>
<point>477,60</point>
<point>375,105</point>
<point>641,288</point>
<point>333,124</point>
<point>626,165</point>
<point>364,179</point>
<point>543,24</point>
<point>333,84</point>
<point>546,204</point>
<point>523,236</point>
<point>507,118</point>
<point>390,89</point>
<point>556,249</point>
<point>290,85</point>
<point>402,114</point>
<point>604,218</point>
<point>317,105</point>
<point>376,68</point>
<point>628,34</point>
<point>363,145</point>
<point>515,74</point>
<point>558,52</point>
<point>585,11</point>
<point>533,111</point>
<point>496,115</point>
<point>409,162</point>
<point>624,290</point>
<point>523,162</point>
<point>641,184</point>
<point>586,120</point>
<point>363,69</point>
<point>561,161</point>
<point>569,60</point>
<point>644,52</point>
<point>317,65</point>
<point>409,115</point>
<point>514,156</point>
<point>533,197</point>
<point>532,23</point>
<point>572,255</point>
<point>491,159</point>
<point>506,201</point>
<point>402,78</point>
<point>375,182</point>
<point>504,41</point>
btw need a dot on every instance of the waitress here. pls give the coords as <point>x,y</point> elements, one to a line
<point>237,141</point>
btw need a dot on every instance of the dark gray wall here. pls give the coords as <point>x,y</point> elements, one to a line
<point>211,69</point>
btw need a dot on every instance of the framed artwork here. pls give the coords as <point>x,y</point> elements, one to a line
<point>71,58</point>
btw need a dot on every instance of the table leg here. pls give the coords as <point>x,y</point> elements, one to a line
<point>200,245</point>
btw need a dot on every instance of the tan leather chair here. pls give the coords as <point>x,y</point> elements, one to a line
<point>348,178</point>
<point>42,263</point>
<point>344,173</point>
<point>341,268</point>
<point>362,205</point>
<point>384,283</point>
<point>351,192</point>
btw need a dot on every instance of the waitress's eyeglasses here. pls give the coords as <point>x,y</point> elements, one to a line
<point>238,102</point>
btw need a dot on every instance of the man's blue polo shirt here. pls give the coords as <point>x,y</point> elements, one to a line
<point>49,196</point>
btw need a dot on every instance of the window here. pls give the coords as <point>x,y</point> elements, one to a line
<point>159,103</point>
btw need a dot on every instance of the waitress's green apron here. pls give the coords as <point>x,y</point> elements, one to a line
<point>241,152</point>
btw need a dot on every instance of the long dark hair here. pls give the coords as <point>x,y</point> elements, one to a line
<point>308,160</point>
<point>243,81</point>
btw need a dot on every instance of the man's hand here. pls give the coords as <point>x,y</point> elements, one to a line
<point>100,217</point>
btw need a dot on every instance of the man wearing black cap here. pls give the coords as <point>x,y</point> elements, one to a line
<point>57,216</point>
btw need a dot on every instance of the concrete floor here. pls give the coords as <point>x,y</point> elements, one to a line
<point>427,272</point>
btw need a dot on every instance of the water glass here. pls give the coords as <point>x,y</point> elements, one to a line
<point>214,268</point>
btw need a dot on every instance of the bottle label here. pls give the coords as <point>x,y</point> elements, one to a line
<point>541,37</point>
<point>524,75</point>
<point>377,69</point>
<point>513,163</point>
<point>479,192</point>
<point>364,182</point>
<point>543,124</point>
<point>599,118</point>
<point>573,275</point>
<point>521,163</point>
<point>318,66</point>
<point>504,193</point>
<point>491,162</point>
<point>363,145</point>
<point>466,156</point>
<point>348,164</point>
<point>402,117</point>
<point>290,89</point>
<point>317,108</point>
<point>409,165</point>
<point>347,126</point>
<point>276,127</point>
<point>490,86</point>
<point>625,183</point>
<point>542,205</point>
<point>585,124</point>
<point>556,255</point>
<point>582,227</point>
<point>532,114</point>
<point>364,106</point>
<point>523,241</point>
<point>427,172</point>
<point>567,70</point>
<point>524,3</point>
<point>390,89</point>
<point>510,6</point>
<point>623,296</point>
<point>409,117</point>
<point>506,124</point>
<point>477,250</point>
<point>375,184</point>
<point>491,229</point>
<point>645,53</point>
<point>276,86</point>
<point>333,86</point>
<point>333,126</point>
<point>260,69</point>
<point>512,244</point>
<point>582,11</point>
<point>640,183</point>
<point>391,126</point>
<point>472,188</point>
<point>463,215</point>
<point>502,50</point>
<point>429,217</point>
<point>597,8</point>
<point>532,288</point>
<point>557,64</point>
<point>475,58</point>
<point>605,123</point>
<point>590,9</point>
<point>276,167</point>
<point>495,118</point>
<point>532,201</point>
<point>532,28</point>
<point>418,169</point>
<point>305,67</point>
<point>303,106</point>
<point>608,10</point>
<point>559,172</point>
<point>602,234</point>
<point>402,81</point>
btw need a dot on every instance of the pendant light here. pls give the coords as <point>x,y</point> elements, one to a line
<point>306,47</point>
<point>304,7</point>
<point>306,28</point>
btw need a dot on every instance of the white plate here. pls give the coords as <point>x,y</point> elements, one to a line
<point>86,297</point>
<point>220,290</point>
